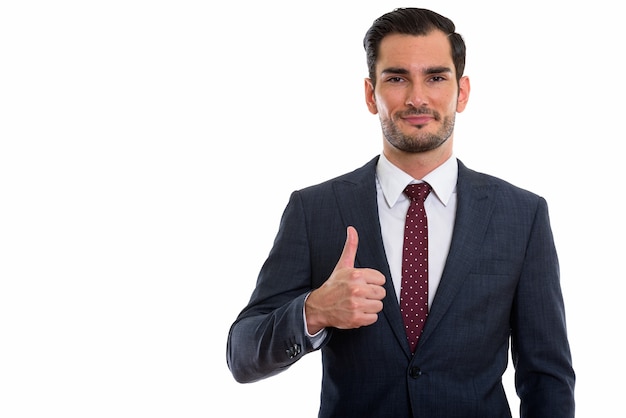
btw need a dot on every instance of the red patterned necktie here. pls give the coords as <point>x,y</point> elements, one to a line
<point>414,290</point>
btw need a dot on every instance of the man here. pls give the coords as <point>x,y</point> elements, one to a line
<point>335,278</point>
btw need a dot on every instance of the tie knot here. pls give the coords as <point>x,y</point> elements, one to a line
<point>417,191</point>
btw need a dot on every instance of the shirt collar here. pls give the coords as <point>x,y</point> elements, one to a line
<point>393,180</point>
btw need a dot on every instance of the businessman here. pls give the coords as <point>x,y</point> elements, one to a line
<point>414,275</point>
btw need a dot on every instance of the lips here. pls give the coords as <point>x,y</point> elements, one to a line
<point>419,116</point>
<point>418,120</point>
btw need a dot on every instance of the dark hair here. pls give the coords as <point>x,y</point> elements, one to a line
<point>412,21</point>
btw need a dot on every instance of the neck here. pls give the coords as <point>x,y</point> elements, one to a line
<point>418,165</point>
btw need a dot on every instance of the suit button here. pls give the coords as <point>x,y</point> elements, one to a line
<point>293,351</point>
<point>415,372</point>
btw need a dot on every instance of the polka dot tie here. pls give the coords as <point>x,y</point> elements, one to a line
<point>414,290</point>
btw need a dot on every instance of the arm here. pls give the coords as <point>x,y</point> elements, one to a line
<point>268,335</point>
<point>544,376</point>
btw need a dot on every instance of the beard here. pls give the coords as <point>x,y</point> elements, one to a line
<point>419,142</point>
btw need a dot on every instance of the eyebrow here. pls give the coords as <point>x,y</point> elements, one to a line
<point>427,71</point>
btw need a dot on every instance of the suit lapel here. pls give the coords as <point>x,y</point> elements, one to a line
<point>357,201</point>
<point>475,203</point>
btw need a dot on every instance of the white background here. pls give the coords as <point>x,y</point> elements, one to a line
<point>132,134</point>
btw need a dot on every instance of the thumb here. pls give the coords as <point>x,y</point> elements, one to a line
<point>349,249</point>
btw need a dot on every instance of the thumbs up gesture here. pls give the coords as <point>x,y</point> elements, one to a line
<point>350,298</point>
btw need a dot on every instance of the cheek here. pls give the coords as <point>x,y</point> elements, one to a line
<point>380,104</point>
<point>388,104</point>
<point>451,101</point>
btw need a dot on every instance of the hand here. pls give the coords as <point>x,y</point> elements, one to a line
<point>350,298</point>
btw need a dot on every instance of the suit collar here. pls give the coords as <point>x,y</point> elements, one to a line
<point>356,196</point>
<point>475,204</point>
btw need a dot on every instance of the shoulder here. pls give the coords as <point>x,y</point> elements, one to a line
<point>365,174</point>
<point>476,180</point>
<point>509,199</point>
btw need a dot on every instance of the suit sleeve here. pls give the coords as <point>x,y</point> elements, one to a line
<point>268,336</point>
<point>544,376</point>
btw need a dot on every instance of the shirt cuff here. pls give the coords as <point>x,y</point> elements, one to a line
<point>318,338</point>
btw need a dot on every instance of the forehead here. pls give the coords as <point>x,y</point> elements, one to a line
<point>401,50</point>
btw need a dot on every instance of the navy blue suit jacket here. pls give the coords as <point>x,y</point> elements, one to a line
<point>500,285</point>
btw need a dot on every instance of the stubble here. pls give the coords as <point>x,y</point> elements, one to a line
<point>420,141</point>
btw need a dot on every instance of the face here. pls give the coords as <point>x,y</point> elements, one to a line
<point>416,94</point>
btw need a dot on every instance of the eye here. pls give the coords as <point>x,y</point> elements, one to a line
<point>438,78</point>
<point>395,79</point>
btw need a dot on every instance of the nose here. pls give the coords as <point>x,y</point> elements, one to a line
<point>416,96</point>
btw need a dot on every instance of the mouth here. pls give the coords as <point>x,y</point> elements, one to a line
<point>418,119</point>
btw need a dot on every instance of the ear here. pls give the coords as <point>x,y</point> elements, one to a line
<point>464,91</point>
<point>370,98</point>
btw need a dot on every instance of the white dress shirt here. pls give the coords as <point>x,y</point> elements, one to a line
<point>440,207</point>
